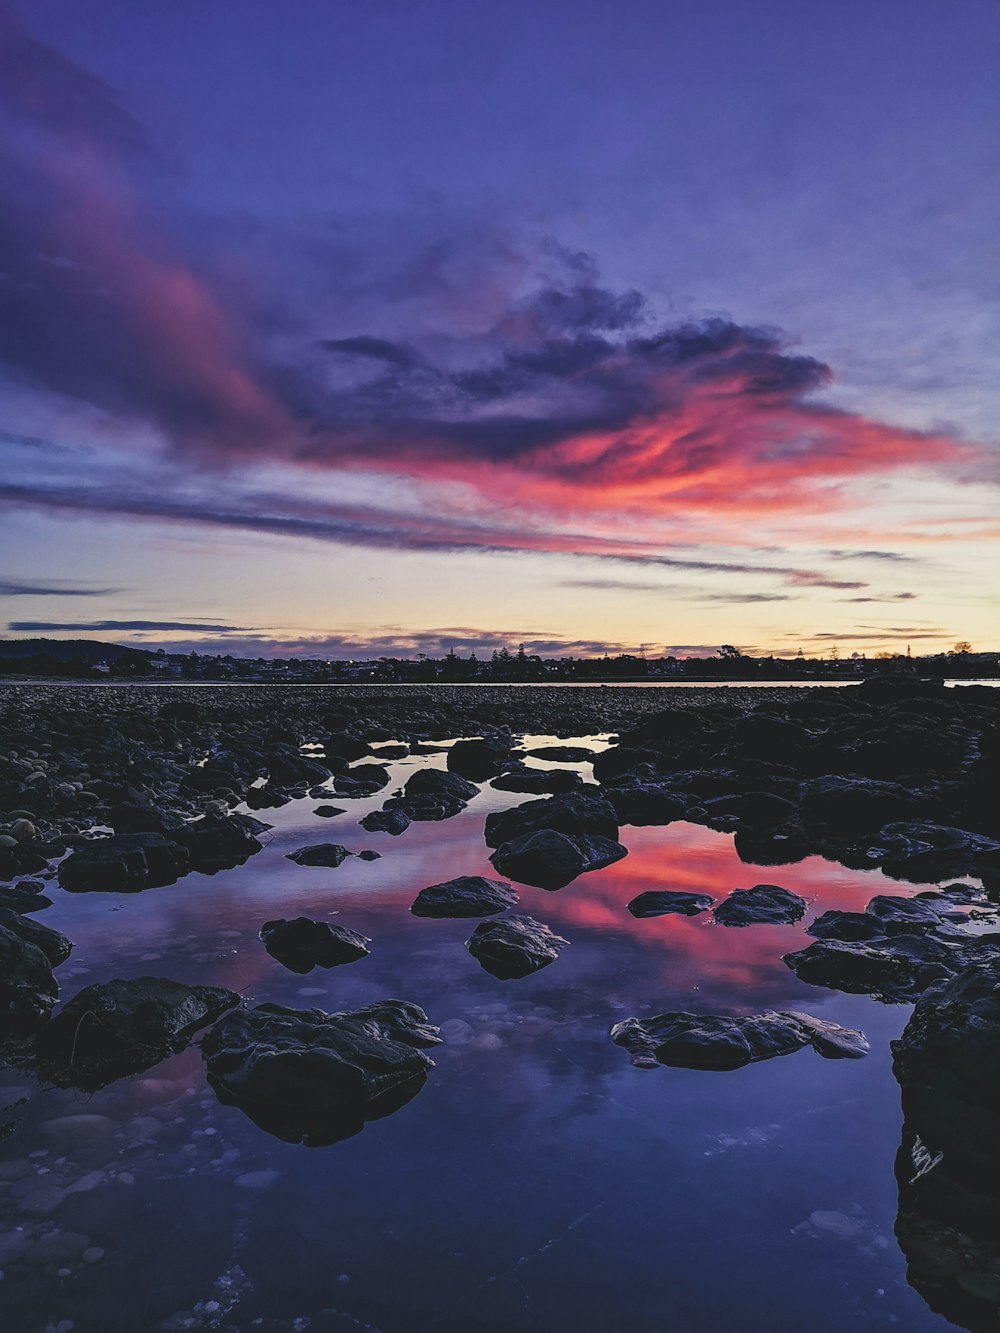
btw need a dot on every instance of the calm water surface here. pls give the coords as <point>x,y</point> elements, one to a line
<point>537,1182</point>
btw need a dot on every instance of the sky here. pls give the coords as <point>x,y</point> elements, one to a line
<point>360,330</point>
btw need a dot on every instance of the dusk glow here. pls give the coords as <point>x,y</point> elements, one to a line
<point>386,329</point>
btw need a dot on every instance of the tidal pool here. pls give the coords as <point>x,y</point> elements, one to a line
<point>536,1182</point>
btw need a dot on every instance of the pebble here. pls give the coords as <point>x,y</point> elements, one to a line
<point>92,1256</point>
<point>42,1202</point>
<point>257,1180</point>
<point>88,1182</point>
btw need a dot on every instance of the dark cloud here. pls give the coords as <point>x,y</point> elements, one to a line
<point>895,557</point>
<point>28,588</point>
<point>675,594</point>
<point>123,626</point>
<point>886,597</point>
<point>375,349</point>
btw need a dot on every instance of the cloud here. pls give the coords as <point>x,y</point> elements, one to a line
<point>521,374</point>
<point>886,597</point>
<point>27,588</point>
<point>676,594</point>
<point>122,626</point>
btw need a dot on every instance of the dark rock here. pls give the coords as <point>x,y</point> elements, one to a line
<point>925,853</point>
<point>361,780</point>
<point>302,944</point>
<point>125,863</point>
<point>893,913</point>
<point>514,946</point>
<point>849,926</point>
<point>660,902</point>
<point>550,860</point>
<point>779,846</point>
<point>329,854</point>
<point>111,1030</point>
<point>390,819</point>
<point>140,817</point>
<point>563,754</point>
<point>764,904</point>
<point>310,1077</point>
<point>538,781</point>
<point>709,1041</point>
<point>468,895</point>
<point>56,947</point>
<point>436,782</point>
<point>286,767</point>
<point>23,897</point>
<point>344,745</point>
<point>854,804</point>
<point>479,759</point>
<point>619,759</point>
<point>219,842</point>
<point>645,804</point>
<point>328,811</point>
<point>895,969</point>
<point>756,809</point>
<point>574,813</point>
<point>369,855</point>
<point>28,989</point>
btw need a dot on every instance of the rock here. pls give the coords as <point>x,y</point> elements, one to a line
<point>361,780</point>
<point>660,902</point>
<point>514,946</point>
<point>56,947</point>
<point>20,900</point>
<point>81,1135</point>
<point>301,944</point>
<point>344,745</point>
<point>925,853</point>
<point>574,813</point>
<point>315,1078</point>
<point>709,1041</point>
<point>393,820</point>
<point>853,804</point>
<point>219,842</point>
<point>58,1247</point>
<point>369,855</point>
<point>436,782</point>
<point>117,1028</point>
<point>550,860</point>
<point>894,969</point>
<point>850,926</point>
<point>468,895</point>
<point>257,1180</point>
<point>329,854</point>
<point>43,1201</point>
<point>328,811</point>
<point>619,759</point>
<point>645,804</point>
<point>537,781</point>
<point>755,809</point>
<point>124,863</point>
<point>563,754</point>
<point>764,904</point>
<point>479,759</point>
<point>28,989</point>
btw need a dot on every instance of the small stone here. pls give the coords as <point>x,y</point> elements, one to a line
<point>43,1202</point>
<point>257,1180</point>
<point>86,1183</point>
<point>92,1256</point>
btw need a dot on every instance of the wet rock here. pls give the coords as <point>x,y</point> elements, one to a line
<point>468,895</point>
<point>854,804</point>
<point>538,781</point>
<point>550,860</point>
<point>563,754</point>
<point>645,804</point>
<point>479,759</point>
<point>436,782</point>
<point>219,842</point>
<point>755,809</point>
<point>56,947</point>
<point>709,1041</point>
<point>895,969</point>
<point>361,780</point>
<point>28,989</point>
<point>574,813</point>
<point>621,759</point>
<point>22,899</point>
<point>328,811</point>
<point>315,1078</point>
<point>925,853</point>
<point>391,819</point>
<point>514,946</point>
<point>893,913</point>
<point>764,904</point>
<point>369,855</point>
<point>302,944</point>
<point>286,767</point>
<point>660,902</point>
<point>82,1135</point>
<point>124,863</point>
<point>117,1028</point>
<point>849,926</point>
<point>329,854</point>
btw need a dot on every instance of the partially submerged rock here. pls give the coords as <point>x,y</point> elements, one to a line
<point>220,842</point>
<point>480,759</point>
<point>28,989</point>
<point>550,860</point>
<point>538,781</point>
<point>124,863</point>
<point>117,1028</point>
<point>311,1077</point>
<point>646,803</point>
<point>514,946</point>
<point>710,1041</point>
<point>302,944</point>
<point>896,969</point>
<point>390,819</point>
<point>660,902</point>
<point>575,813</point>
<point>329,854</point>
<point>764,904</point>
<point>468,895</point>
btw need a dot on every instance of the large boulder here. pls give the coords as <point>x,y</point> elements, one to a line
<point>764,904</point>
<point>645,803</point>
<point>390,819</point>
<point>28,990</point>
<point>55,946</point>
<point>514,946</point>
<point>550,860</point>
<point>113,1029</point>
<point>710,1041</point>
<point>302,944</point>
<point>896,969</point>
<point>538,781</point>
<point>575,813</point>
<point>220,842</point>
<point>468,895</point>
<point>311,1077</point>
<point>124,863</point>
<point>480,759</point>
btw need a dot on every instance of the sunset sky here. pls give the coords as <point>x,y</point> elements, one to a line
<point>361,329</point>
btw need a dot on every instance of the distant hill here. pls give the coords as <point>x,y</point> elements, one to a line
<point>69,650</point>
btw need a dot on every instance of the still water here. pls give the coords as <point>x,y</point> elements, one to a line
<point>538,1182</point>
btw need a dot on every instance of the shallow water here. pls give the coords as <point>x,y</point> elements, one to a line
<point>537,1182</point>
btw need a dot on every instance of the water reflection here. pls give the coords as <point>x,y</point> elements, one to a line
<point>537,1182</point>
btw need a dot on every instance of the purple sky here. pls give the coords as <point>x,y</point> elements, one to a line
<point>391,326</point>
